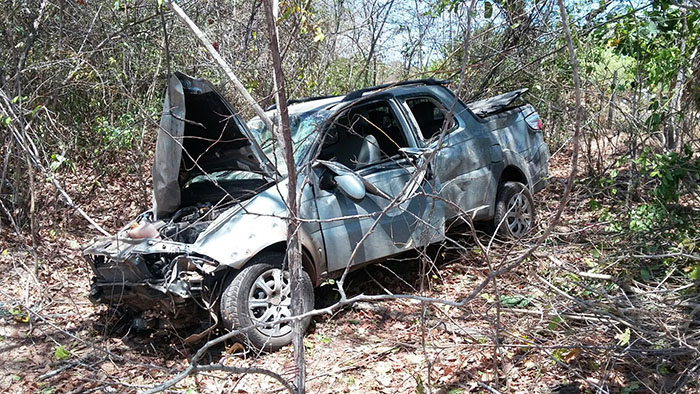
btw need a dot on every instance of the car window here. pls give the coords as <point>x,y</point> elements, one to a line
<point>364,135</point>
<point>430,116</point>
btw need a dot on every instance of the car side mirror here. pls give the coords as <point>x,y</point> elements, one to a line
<point>351,184</point>
<point>345,180</point>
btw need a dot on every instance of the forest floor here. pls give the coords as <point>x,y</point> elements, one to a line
<point>51,339</point>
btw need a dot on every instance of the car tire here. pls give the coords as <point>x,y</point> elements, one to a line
<point>515,210</point>
<point>264,284</point>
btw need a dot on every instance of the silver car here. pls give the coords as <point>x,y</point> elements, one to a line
<point>381,171</point>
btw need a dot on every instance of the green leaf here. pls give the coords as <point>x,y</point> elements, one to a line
<point>554,323</point>
<point>420,389</point>
<point>594,205</point>
<point>488,297</point>
<point>61,353</point>
<point>514,301</point>
<point>48,390</point>
<point>623,337</point>
<point>558,354</point>
<point>488,9</point>
<point>653,30</point>
<point>630,388</point>
<point>645,274</point>
<point>319,36</point>
<point>309,346</point>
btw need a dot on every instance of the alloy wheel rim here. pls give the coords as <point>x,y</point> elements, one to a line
<point>519,215</point>
<point>269,301</point>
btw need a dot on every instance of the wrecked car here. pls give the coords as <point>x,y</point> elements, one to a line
<point>381,171</point>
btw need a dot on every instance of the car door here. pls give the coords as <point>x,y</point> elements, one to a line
<point>465,158</point>
<point>400,216</point>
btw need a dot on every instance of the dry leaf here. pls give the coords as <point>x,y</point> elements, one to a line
<point>235,348</point>
<point>571,355</point>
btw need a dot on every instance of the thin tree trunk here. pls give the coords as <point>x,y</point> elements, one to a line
<point>612,100</point>
<point>676,90</point>
<point>284,138</point>
<point>33,227</point>
<point>373,43</point>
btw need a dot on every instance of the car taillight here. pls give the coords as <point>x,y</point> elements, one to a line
<point>533,120</point>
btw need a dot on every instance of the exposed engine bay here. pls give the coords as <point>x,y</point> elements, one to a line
<point>188,222</point>
<point>203,202</point>
<point>152,261</point>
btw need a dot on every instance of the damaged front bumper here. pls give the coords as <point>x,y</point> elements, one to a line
<point>144,274</point>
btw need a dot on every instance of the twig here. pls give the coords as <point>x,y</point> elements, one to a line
<point>487,387</point>
<point>63,368</point>
<point>594,275</point>
<point>666,256</point>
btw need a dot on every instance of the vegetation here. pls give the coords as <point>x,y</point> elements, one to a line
<point>609,302</point>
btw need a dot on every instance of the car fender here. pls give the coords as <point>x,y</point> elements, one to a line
<point>245,230</point>
<point>515,159</point>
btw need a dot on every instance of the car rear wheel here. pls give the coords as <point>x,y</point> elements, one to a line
<point>261,293</point>
<point>515,210</point>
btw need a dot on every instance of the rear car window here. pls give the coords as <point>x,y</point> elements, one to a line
<point>429,115</point>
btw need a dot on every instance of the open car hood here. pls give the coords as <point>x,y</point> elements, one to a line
<point>199,133</point>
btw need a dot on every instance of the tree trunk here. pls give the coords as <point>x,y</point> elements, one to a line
<point>284,137</point>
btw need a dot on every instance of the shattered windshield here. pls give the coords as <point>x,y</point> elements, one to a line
<point>302,126</point>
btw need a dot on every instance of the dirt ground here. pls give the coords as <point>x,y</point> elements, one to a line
<point>51,338</point>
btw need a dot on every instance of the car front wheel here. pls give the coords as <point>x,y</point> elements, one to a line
<point>261,294</point>
<point>515,210</point>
